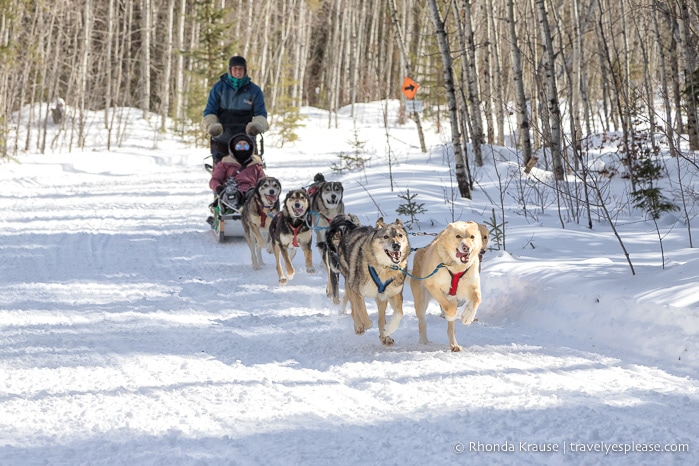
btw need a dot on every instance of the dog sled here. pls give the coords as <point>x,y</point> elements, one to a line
<point>226,218</point>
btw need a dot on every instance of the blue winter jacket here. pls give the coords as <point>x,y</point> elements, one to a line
<point>235,109</point>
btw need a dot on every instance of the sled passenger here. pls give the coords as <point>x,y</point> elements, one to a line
<point>235,105</point>
<point>242,164</point>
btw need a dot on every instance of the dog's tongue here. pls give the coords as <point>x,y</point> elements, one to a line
<point>299,211</point>
<point>462,256</point>
<point>271,198</point>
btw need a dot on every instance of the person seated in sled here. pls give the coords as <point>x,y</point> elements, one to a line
<point>237,173</point>
<point>235,105</point>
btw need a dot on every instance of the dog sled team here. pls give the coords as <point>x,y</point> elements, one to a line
<point>373,260</point>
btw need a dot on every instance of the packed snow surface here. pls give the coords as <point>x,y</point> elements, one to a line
<point>129,335</point>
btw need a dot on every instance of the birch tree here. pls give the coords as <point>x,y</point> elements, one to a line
<point>689,53</point>
<point>518,81</point>
<point>146,11</point>
<point>474,100</point>
<point>462,175</point>
<point>551,91</point>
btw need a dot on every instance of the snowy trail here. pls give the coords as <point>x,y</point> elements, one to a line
<point>129,336</point>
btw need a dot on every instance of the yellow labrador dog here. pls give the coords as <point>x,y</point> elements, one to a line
<point>448,271</point>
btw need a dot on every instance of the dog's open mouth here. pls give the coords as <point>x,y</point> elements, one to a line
<point>394,255</point>
<point>463,256</point>
<point>271,198</point>
<point>299,210</point>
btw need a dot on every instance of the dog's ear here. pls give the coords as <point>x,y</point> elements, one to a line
<point>483,229</point>
<point>379,222</point>
<point>399,223</point>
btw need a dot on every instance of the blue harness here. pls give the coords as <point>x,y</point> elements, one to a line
<point>377,281</point>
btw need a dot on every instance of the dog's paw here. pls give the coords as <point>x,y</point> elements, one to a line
<point>387,341</point>
<point>468,317</point>
<point>283,281</point>
<point>310,270</point>
<point>359,329</point>
<point>455,348</point>
<point>424,341</point>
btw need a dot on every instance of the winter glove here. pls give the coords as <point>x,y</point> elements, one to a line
<point>215,130</point>
<point>212,126</point>
<point>219,189</point>
<point>257,125</point>
<point>253,128</point>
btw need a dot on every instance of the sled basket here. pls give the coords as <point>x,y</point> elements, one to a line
<point>226,225</point>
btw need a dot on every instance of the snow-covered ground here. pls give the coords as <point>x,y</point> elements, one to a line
<point>128,335</point>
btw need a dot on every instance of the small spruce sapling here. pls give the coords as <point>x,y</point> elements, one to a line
<point>355,160</point>
<point>648,196</point>
<point>410,208</point>
<point>497,230</point>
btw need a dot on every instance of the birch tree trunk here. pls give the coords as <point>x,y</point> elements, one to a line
<point>82,89</point>
<point>689,53</point>
<point>179,68</point>
<point>167,73</point>
<point>487,94</point>
<point>521,111</point>
<point>551,91</point>
<point>581,63</point>
<point>667,123</point>
<point>146,11</point>
<point>497,74</point>
<point>462,177</point>
<point>111,24</point>
<point>474,102</point>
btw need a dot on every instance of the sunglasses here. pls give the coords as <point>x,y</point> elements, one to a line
<point>242,145</point>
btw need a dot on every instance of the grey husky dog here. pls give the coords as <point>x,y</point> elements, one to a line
<point>373,261</point>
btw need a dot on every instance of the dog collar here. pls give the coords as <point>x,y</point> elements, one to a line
<point>377,281</point>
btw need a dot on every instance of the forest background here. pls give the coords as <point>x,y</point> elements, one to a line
<point>565,69</point>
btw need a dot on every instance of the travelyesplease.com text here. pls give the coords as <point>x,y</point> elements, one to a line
<point>570,447</point>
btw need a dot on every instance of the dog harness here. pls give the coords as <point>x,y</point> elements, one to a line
<point>327,219</point>
<point>261,212</point>
<point>296,230</point>
<point>317,214</point>
<point>377,281</point>
<point>455,277</point>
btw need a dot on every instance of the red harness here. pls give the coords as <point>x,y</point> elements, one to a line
<point>455,277</point>
<point>296,230</point>
<point>261,212</point>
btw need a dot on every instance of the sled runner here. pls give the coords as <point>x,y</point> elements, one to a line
<point>226,225</point>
